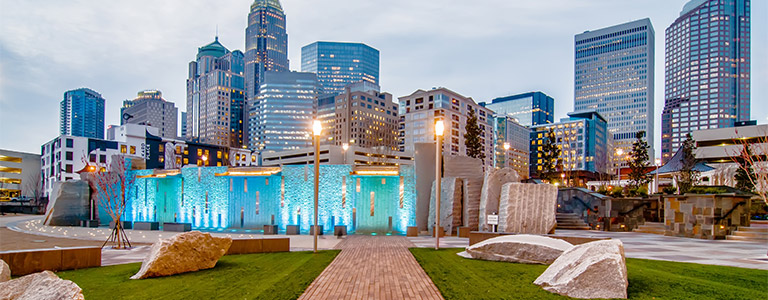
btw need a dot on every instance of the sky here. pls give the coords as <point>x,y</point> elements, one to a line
<point>481,49</point>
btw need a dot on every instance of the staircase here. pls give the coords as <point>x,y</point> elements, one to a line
<point>570,221</point>
<point>757,232</point>
<point>651,227</point>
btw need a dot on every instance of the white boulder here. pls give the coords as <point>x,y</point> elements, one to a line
<point>591,270</point>
<point>40,286</point>
<point>491,192</point>
<point>521,248</point>
<point>184,252</point>
<point>5,271</point>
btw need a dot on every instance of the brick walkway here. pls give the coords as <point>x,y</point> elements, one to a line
<point>373,267</point>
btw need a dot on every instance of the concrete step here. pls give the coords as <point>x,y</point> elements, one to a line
<point>761,235</point>
<point>759,223</point>
<point>652,231</point>
<point>753,229</point>
<point>744,238</point>
<point>573,227</point>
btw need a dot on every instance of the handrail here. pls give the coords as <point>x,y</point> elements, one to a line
<point>718,219</point>
<point>584,204</point>
<point>646,204</point>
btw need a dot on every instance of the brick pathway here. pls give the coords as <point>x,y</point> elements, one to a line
<point>373,267</point>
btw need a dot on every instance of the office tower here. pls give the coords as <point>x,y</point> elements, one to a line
<point>149,108</point>
<point>282,113</point>
<point>266,43</point>
<point>339,64</point>
<point>707,70</point>
<point>216,96</point>
<point>183,125</point>
<point>82,114</point>
<point>533,108</point>
<point>583,140</point>
<point>508,131</point>
<point>361,117</point>
<point>614,73</point>
<point>420,110</point>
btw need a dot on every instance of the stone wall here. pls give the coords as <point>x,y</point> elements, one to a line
<point>705,216</point>
<point>527,208</point>
<point>491,192</point>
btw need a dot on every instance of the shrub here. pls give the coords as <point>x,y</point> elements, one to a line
<point>669,190</point>
<point>642,191</point>
<point>602,190</point>
<point>707,190</point>
<point>617,192</point>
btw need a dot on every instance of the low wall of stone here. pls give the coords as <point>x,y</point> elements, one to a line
<point>705,216</point>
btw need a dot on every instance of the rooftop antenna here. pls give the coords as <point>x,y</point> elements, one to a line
<point>217,32</point>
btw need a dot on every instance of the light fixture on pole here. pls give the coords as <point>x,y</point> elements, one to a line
<point>345,147</point>
<point>439,128</point>
<point>317,128</point>
<point>619,153</point>
<point>562,179</point>
<point>506,152</point>
<point>658,164</point>
<point>205,160</point>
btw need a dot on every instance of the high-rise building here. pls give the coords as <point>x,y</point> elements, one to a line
<point>707,70</point>
<point>339,64</point>
<point>149,108</point>
<point>282,113</point>
<point>266,43</point>
<point>533,108</point>
<point>614,73</point>
<point>508,132</point>
<point>216,96</point>
<point>183,124</point>
<point>360,117</point>
<point>82,114</point>
<point>420,110</point>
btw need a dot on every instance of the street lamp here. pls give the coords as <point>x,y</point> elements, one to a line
<point>205,160</point>
<point>439,128</point>
<point>506,150</point>
<point>658,164</point>
<point>317,128</point>
<point>619,153</point>
<point>345,147</point>
<point>562,179</point>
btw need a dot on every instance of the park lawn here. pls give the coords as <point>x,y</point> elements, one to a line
<point>461,278</point>
<point>282,275</point>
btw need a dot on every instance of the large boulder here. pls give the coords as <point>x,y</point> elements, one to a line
<point>522,248</point>
<point>184,252</point>
<point>491,192</point>
<point>591,270</point>
<point>527,208</point>
<point>40,286</point>
<point>69,203</point>
<point>5,271</point>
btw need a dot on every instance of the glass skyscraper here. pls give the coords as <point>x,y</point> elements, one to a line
<point>266,43</point>
<point>707,70</point>
<point>82,114</point>
<point>339,64</point>
<point>282,114</point>
<point>534,108</point>
<point>614,73</point>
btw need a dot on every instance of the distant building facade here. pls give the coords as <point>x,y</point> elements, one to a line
<point>82,114</point>
<point>19,175</point>
<point>614,75</point>
<point>216,96</point>
<point>508,131</point>
<point>149,108</point>
<point>183,125</point>
<point>280,117</point>
<point>266,43</point>
<point>707,73</point>
<point>339,64</point>
<point>530,109</point>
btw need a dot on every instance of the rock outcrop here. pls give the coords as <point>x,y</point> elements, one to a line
<point>592,270</point>
<point>527,208</point>
<point>40,286</point>
<point>184,252</point>
<point>522,248</point>
<point>5,271</point>
<point>489,197</point>
<point>68,204</point>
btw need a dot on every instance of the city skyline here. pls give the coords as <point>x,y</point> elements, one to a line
<point>103,54</point>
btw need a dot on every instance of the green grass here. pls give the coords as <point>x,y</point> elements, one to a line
<point>249,276</point>
<point>460,278</point>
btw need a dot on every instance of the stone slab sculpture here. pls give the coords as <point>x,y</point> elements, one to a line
<point>44,285</point>
<point>591,270</point>
<point>491,192</point>
<point>527,208</point>
<point>521,248</point>
<point>470,170</point>
<point>185,252</point>
<point>5,271</point>
<point>69,203</point>
<point>451,193</point>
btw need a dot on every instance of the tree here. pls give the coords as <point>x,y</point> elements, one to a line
<point>110,187</point>
<point>752,164</point>
<point>472,138</point>
<point>33,185</point>
<point>638,161</point>
<point>550,156</point>
<point>688,176</point>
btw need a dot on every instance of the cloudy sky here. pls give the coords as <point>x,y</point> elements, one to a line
<point>482,49</point>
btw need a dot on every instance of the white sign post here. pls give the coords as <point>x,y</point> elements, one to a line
<point>492,220</point>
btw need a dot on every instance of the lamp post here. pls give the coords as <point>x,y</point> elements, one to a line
<point>317,128</point>
<point>658,164</point>
<point>345,147</point>
<point>562,179</point>
<point>619,153</point>
<point>506,152</point>
<point>205,160</point>
<point>439,128</point>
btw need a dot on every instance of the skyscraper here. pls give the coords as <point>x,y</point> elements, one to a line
<point>707,70</point>
<point>82,114</point>
<point>216,96</point>
<point>507,131</point>
<point>281,115</point>
<point>266,43</point>
<point>614,76</point>
<point>534,108</point>
<point>339,64</point>
<point>183,125</point>
<point>149,108</point>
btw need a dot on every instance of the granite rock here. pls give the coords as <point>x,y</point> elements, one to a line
<point>527,208</point>
<point>5,271</point>
<point>40,286</point>
<point>522,248</point>
<point>491,192</point>
<point>185,252</point>
<point>69,203</point>
<point>591,270</point>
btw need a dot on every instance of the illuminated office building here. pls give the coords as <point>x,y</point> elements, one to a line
<point>339,64</point>
<point>266,43</point>
<point>534,108</point>
<point>82,114</point>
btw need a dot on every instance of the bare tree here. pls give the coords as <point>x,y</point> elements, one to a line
<point>752,160</point>
<point>172,159</point>
<point>33,185</point>
<point>111,185</point>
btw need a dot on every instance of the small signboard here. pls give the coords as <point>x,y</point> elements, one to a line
<point>493,219</point>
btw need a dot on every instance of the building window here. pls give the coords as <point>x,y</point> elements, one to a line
<point>103,159</point>
<point>123,149</point>
<point>133,149</point>
<point>69,155</point>
<point>70,143</point>
<point>161,148</point>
